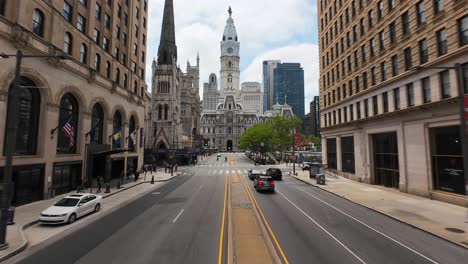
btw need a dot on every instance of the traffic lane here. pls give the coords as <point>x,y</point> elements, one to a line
<point>410,238</point>
<point>183,228</point>
<point>66,249</point>
<point>301,241</point>
<point>392,241</point>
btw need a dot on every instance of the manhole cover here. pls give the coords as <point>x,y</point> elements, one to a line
<point>455,230</point>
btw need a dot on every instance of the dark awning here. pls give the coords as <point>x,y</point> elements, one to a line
<point>110,152</point>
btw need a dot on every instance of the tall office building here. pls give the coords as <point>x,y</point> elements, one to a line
<point>71,113</point>
<point>311,123</point>
<point>268,84</point>
<point>390,110</point>
<point>289,87</point>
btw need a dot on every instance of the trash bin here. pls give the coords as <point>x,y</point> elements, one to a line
<point>320,179</point>
<point>315,169</point>
<point>11,215</point>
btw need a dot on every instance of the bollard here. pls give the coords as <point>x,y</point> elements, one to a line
<point>11,216</point>
<point>118,185</point>
<point>107,188</point>
<point>152,179</point>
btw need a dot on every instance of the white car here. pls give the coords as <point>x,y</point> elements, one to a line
<point>68,209</point>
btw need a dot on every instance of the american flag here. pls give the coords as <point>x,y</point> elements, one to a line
<point>69,132</point>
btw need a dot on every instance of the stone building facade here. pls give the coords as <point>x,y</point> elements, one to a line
<point>390,101</point>
<point>96,92</point>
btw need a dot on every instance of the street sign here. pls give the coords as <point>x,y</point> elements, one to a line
<point>297,140</point>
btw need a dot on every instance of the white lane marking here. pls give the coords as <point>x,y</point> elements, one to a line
<point>370,227</point>
<point>156,193</point>
<point>239,171</point>
<point>177,217</point>
<point>321,227</point>
<point>245,171</point>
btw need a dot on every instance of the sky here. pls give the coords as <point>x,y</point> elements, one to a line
<point>283,30</point>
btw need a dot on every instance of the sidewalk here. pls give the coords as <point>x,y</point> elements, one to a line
<point>431,216</point>
<point>27,215</point>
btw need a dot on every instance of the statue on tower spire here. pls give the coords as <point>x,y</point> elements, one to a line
<point>230,11</point>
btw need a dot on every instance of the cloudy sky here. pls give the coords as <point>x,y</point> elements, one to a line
<point>283,30</point>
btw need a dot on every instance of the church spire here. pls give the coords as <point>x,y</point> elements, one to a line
<point>167,53</point>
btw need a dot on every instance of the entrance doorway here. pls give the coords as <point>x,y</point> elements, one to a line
<point>229,145</point>
<point>386,167</point>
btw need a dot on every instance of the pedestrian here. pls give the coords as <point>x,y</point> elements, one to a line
<point>176,166</point>
<point>100,180</point>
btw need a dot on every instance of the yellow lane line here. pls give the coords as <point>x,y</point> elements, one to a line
<point>223,221</point>
<point>266,222</point>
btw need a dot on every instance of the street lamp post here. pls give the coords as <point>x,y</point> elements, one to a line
<point>10,135</point>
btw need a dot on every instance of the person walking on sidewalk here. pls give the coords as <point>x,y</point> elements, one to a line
<point>100,180</point>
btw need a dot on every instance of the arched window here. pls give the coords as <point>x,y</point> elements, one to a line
<point>132,134</point>
<point>116,127</point>
<point>230,106</point>
<point>38,22</point>
<point>166,112</point>
<point>83,53</point>
<point>229,78</point>
<point>142,93</point>
<point>108,69</point>
<point>230,64</point>
<point>27,111</point>
<point>97,124</point>
<point>117,76</point>
<point>68,43</point>
<point>68,123</point>
<point>159,112</point>
<point>229,130</point>
<point>135,86</point>
<point>97,62</point>
<point>125,80</point>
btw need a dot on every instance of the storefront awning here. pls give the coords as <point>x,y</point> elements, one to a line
<point>110,152</point>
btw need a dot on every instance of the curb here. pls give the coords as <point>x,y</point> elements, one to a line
<point>27,225</point>
<point>385,214</point>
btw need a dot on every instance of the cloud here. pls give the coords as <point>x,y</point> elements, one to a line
<point>306,54</point>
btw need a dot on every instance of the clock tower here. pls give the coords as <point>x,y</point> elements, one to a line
<point>230,60</point>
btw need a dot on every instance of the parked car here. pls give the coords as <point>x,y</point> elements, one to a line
<point>255,173</point>
<point>264,183</point>
<point>275,173</point>
<point>70,208</point>
<point>306,166</point>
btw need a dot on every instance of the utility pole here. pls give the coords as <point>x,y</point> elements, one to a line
<point>10,135</point>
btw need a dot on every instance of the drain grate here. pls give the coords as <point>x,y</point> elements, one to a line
<point>455,230</point>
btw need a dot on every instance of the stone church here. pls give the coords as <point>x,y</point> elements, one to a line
<point>175,104</point>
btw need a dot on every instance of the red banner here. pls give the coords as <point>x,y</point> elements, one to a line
<point>466,116</point>
<point>297,140</point>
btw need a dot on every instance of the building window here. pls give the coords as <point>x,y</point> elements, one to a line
<point>38,23</point>
<point>83,54</point>
<point>408,59</point>
<point>358,110</point>
<point>159,112</point>
<point>426,90</point>
<point>105,44</point>
<point>68,125</point>
<point>135,49</point>
<point>372,47</point>
<point>370,17</point>
<point>98,12</point>
<point>133,67</point>
<point>362,27</point>
<point>137,12</point>
<point>107,21</point>
<point>423,51</point>
<point>97,62</point>
<point>143,39</point>
<point>136,31</point>
<point>27,111</point>
<point>124,39</point>
<point>350,87</point>
<point>116,52</point>
<point>385,102</point>
<point>2,7</point>
<point>420,16</point>
<point>142,73</point>
<point>125,80</point>
<point>142,56</point>
<point>81,23</point>
<point>347,156</point>
<point>405,27</point>
<point>447,159</point>
<point>445,83</point>
<point>125,19</point>
<point>364,80</point>
<point>366,108</point>
<point>392,29</point>
<point>438,6</point>
<point>373,76</point>
<point>351,112</point>
<point>363,53</point>
<point>124,58</point>
<point>382,40</point>
<point>96,36</point>
<point>465,76</point>
<point>383,71</point>
<point>331,153</point>
<point>410,94</point>
<point>109,2</point>
<point>68,43</point>
<point>357,82</point>
<point>97,125</point>
<point>108,69</point>
<point>442,41</point>
<point>117,130</point>
<point>166,112</point>
<point>83,2</point>
<point>68,11</point>
<point>380,10</point>
<point>119,10</point>
<point>463,30</point>
<point>394,65</point>
<point>375,105</point>
<point>117,31</point>
<point>117,76</point>
<point>396,98</point>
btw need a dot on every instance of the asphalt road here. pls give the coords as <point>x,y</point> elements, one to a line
<point>181,222</point>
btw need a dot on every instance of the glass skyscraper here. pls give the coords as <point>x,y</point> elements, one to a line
<point>289,86</point>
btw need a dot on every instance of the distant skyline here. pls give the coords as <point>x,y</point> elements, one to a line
<point>285,30</point>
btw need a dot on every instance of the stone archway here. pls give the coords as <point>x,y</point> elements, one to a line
<point>229,145</point>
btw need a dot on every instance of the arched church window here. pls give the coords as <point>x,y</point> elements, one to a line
<point>132,137</point>
<point>117,126</point>
<point>230,64</point>
<point>229,130</point>
<point>229,78</point>
<point>230,106</point>
<point>97,124</point>
<point>27,111</point>
<point>68,120</point>
<point>159,112</point>
<point>166,110</point>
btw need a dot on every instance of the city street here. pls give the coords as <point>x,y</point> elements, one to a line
<point>181,222</point>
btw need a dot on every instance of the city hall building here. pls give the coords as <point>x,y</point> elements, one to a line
<point>390,102</point>
<point>78,118</point>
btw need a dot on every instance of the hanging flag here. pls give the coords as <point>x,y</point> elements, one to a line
<point>142,138</point>
<point>117,136</point>
<point>133,136</point>
<point>69,131</point>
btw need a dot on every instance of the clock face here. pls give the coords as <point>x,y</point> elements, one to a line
<point>230,50</point>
